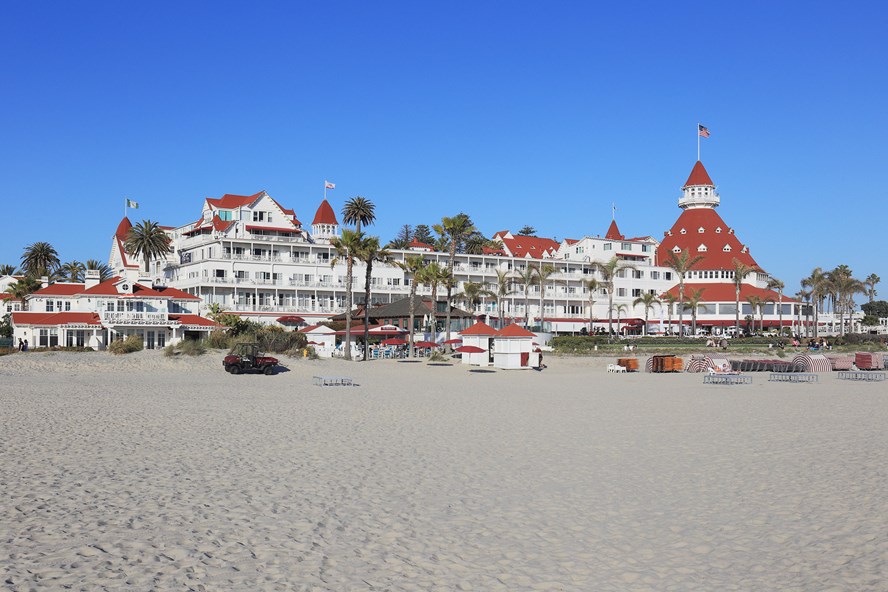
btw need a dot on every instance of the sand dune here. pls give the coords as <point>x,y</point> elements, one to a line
<point>142,472</point>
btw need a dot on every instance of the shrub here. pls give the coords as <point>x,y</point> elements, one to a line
<point>219,339</point>
<point>131,344</point>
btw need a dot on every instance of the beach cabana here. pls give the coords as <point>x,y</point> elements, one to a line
<point>478,335</point>
<point>513,348</point>
<point>324,337</point>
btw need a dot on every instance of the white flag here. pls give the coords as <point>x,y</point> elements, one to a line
<point>132,204</point>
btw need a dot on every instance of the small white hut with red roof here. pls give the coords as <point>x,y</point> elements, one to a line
<point>478,335</point>
<point>513,348</point>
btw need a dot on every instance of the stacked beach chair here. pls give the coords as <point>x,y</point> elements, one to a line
<point>869,361</point>
<point>666,363</point>
<point>811,363</point>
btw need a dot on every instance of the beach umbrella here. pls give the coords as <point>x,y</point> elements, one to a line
<point>425,344</point>
<point>453,341</point>
<point>290,320</point>
<point>470,349</point>
<point>394,341</point>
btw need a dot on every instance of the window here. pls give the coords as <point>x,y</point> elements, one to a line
<point>258,216</point>
<point>655,275</point>
<point>676,249</point>
<point>621,292</point>
<point>718,230</point>
<point>727,248</point>
<point>636,292</point>
<point>700,230</point>
<point>50,306</point>
<point>219,273</point>
<point>637,274</point>
<point>701,248</point>
<point>225,215</point>
<point>67,305</point>
<point>626,246</point>
<point>667,275</point>
<point>683,231</point>
<point>607,246</point>
<point>645,248</point>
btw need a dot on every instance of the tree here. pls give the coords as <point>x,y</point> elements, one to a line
<point>40,259</point>
<point>755,305</point>
<point>682,264</point>
<point>147,239</point>
<point>670,299</point>
<point>818,285</point>
<point>476,242</point>
<point>402,241</point>
<point>778,286</point>
<point>591,286</point>
<point>104,270</point>
<point>23,288</point>
<point>741,271</point>
<point>876,308</point>
<point>6,269</point>
<point>527,278</point>
<point>472,295</point>
<point>870,283</point>
<point>619,309</point>
<point>346,246</point>
<point>528,231</point>
<point>503,288</point>
<point>608,273</point>
<point>543,272</point>
<point>803,296</point>
<point>846,287</point>
<point>357,211</point>
<point>423,234</point>
<point>693,302</point>
<point>456,229</point>
<point>434,275</point>
<point>413,266</point>
<point>72,271</point>
<point>648,300</point>
<point>370,252</point>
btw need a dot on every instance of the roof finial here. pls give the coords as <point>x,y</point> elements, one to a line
<point>613,211</point>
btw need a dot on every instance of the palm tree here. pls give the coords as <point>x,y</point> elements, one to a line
<point>23,288</point>
<point>359,210</point>
<point>72,271</point>
<point>817,283</point>
<point>846,287</point>
<point>369,252</point>
<point>670,299</point>
<point>741,271</point>
<point>870,283</point>
<point>6,269</point>
<point>777,286</point>
<point>149,240</point>
<point>755,303</point>
<point>456,230</point>
<point>591,286</point>
<point>104,270</point>
<point>472,295</point>
<point>40,259</point>
<point>503,289</point>
<point>543,272</point>
<point>682,264</point>
<point>413,266</point>
<point>527,278</point>
<point>804,296</point>
<point>608,273</point>
<point>648,300</point>
<point>693,302</point>
<point>619,309</point>
<point>434,275</point>
<point>346,246</point>
<point>476,242</point>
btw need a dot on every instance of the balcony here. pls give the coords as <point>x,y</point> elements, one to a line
<point>136,318</point>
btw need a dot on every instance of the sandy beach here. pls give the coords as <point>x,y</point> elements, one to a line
<point>143,472</point>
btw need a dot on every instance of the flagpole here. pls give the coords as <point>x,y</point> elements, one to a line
<point>698,140</point>
<point>325,189</point>
<point>125,203</point>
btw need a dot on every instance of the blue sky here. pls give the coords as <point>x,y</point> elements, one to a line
<point>515,113</point>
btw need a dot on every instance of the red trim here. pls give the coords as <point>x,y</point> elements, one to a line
<point>273,229</point>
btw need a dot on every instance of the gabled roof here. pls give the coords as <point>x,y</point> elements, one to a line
<point>726,292</point>
<point>613,233</point>
<point>325,214</point>
<point>479,328</point>
<point>56,318</point>
<point>320,329</point>
<point>716,235</point>
<point>60,289</point>
<point>528,246</point>
<point>698,176</point>
<point>193,320</point>
<point>120,240</point>
<point>415,244</point>
<point>514,330</point>
<point>230,201</point>
<point>109,288</point>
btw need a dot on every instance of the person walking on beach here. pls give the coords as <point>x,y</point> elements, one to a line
<point>21,344</point>
<point>25,346</point>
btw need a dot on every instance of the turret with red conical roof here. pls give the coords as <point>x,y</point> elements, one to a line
<point>325,226</point>
<point>699,190</point>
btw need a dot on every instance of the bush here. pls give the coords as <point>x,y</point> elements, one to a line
<point>131,344</point>
<point>219,339</point>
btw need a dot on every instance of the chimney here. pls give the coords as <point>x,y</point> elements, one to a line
<point>44,281</point>
<point>92,278</point>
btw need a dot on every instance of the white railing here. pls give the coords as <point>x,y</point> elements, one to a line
<point>136,318</point>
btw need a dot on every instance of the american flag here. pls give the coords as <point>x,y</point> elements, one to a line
<point>702,131</point>
<point>329,185</point>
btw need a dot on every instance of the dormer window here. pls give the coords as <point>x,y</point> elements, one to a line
<point>701,248</point>
<point>669,232</point>
<point>700,230</point>
<point>727,249</point>
<point>730,231</point>
<point>745,249</point>
<point>718,230</point>
<point>676,249</point>
<point>683,231</point>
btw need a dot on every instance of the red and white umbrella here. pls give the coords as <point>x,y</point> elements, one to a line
<point>393,341</point>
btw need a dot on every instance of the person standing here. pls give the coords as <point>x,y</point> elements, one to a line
<point>21,344</point>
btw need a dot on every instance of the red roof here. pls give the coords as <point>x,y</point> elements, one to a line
<point>221,225</point>
<point>229,201</point>
<point>60,289</point>
<point>325,214</point>
<point>479,328</point>
<point>715,257</point>
<point>415,244</point>
<point>727,292</point>
<point>56,318</point>
<point>699,176</point>
<point>108,288</point>
<point>535,247</point>
<point>489,251</point>
<point>613,233</point>
<point>514,330</point>
<point>123,228</point>
<point>193,320</point>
